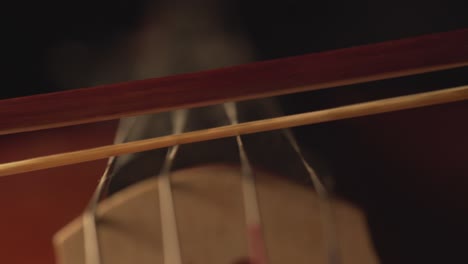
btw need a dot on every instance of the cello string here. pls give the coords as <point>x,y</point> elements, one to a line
<point>89,220</point>
<point>333,255</point>
<point>170,237</point>
<point>90,235</point>
<point>326,211</point>
<point>256,243</point>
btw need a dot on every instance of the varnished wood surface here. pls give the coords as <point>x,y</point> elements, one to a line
<point>314,71</point>
<point>35,205</point>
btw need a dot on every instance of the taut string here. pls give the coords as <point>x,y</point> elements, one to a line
<point>90,235</point>
<point>256,243</point>
<point>170,236</point>
<point>326,212</point>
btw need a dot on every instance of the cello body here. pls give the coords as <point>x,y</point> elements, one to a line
<point>407,171</point>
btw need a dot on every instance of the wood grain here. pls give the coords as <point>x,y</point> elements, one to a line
<point>321,116</point>
<point>314,71</point>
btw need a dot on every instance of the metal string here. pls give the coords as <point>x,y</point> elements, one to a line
<point>326,213</point>
<point>89,219</point>
<point>170,237</point>
<point>171,246</point>
<point>257,248</point>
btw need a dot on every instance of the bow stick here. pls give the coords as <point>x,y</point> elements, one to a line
<point>327,115</point>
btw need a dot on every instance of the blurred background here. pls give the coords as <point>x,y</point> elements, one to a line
<point>416,203</point>
<point>51,46</point>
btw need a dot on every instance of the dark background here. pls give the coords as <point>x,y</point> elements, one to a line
<point>416,204</point>
<point>277,28</point>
